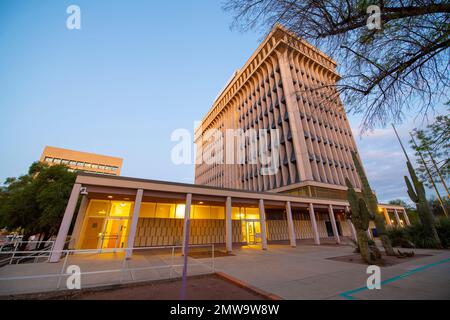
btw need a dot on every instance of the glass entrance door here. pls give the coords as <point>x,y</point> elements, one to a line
<point>251,231</point>
<point>114,234</point>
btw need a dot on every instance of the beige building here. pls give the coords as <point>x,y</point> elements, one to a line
<point>82,161</point>
<point>288,85</point>
<point>122,212</point>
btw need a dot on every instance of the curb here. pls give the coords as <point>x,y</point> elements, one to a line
<point>244,285</point>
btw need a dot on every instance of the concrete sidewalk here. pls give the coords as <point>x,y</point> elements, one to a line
<point>304,272</point>
<point>105,270</point>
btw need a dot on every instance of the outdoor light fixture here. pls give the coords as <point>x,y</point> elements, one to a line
<point>83,191</point>
<point>110,197</point>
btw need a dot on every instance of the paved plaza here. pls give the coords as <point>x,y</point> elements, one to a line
<point>304,272</point>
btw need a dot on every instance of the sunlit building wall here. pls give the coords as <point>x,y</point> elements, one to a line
<point>289,85</point>
<point>82,161</point>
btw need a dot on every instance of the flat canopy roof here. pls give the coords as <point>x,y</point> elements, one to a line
<point>97,183</point>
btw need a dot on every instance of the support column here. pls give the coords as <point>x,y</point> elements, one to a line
<point>228,226</point>
<point>75,236</point>
<point>187,222</point>
<point>352,227</point>
<point>133,224</point>
<point>65,223</point>
<point>386,217</point>
<point>333,224</point>
<point>290,222</point>
<point>405,215</point>
<point>262,218</point>
<point>397,218</point>
<point>353,230</point>
<point>312,216</point>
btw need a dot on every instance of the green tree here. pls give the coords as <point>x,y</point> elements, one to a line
<point>36,201</point>
<point>434,140</point>
<point>436,208</point>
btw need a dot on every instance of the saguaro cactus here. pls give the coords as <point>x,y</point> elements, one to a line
<point>418,196</point>
<point>372,205</point>
<point>360,217</point>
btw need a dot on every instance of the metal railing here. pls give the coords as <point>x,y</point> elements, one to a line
<point>18,256</point>
<point>124,266</point>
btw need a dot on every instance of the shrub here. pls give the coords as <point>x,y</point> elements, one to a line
<point>397,236</point>
<point>417,234</point>
<point>443,229</point>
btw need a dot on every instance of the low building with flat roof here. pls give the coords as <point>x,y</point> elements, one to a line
<point>122,212</point>
<point>82,161</point>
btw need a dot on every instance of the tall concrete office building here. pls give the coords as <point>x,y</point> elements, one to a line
<point>289,85</point>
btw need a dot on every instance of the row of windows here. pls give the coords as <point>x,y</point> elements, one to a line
<point>80,164</point>
<point>331,162</point>
<point>322,107</point>
<point>327,141</point>
<point>261,86</point>
<point>215,177</point>
<point>91,171</point>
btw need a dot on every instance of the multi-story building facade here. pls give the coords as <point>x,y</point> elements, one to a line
<point>82,161</point>
<point>288,85</point>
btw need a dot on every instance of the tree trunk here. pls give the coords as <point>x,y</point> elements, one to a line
<point>23,246</point>
<point>45,237</point>
<point>364,246</point>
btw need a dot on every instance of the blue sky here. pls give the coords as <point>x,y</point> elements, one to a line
<point>136,71</point>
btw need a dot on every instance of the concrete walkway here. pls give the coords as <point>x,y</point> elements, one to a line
<point>101,270</point>
<point>304,272</point>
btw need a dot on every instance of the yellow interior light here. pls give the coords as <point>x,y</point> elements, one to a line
<point>179,211</point>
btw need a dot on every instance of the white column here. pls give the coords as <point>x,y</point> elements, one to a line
<point>187,221</point>
<point>352,228</point>
<point>333,224</point>
<point>290,222</point>
<point>262,218</point>
<point>350,223</point>
<point>228,226</point>
<point>397,218</point>
<point>312,216</point>
<point>75,236</point>
<point>134,222</point>
<point>386,217</point>
<point>405,215</point>
<point>65,223</point>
